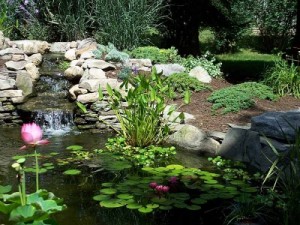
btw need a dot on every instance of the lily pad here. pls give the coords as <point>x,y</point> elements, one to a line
<point>111,203</point>
<point>175,167</point>
<point>153,206</point>
<point>101,197</point>
<point>133,206</point>
<point>145,210</point>
<point>72,172</point>
<point>165,207</point>
<point>125,196</point>
<point>108,191</point>
<point>75,148</point>
<point>193,207</point>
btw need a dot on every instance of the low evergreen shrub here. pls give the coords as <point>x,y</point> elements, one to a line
<point>240,96</point>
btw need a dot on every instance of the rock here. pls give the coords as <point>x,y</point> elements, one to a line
<point>174,116</point>
<point>201,74</point>
<point>32,46</point>
<point>7,108</point>
<point>11,93</point>
<point>87,55</point>
<point>98,63</point>
<point>242,145</point>
<point>60,47</point>
<point>70,54</point>
<point>11,65</point>
<point>2,38</point>
<point>86,45</point>
<point>169,69</point>
<point>77,62</point>
<point>36,59</point>
<point>24,83</point>
<point>17,57</point>
<point>246,126</point>
<point>139,63</point>
<point>11,51</point>
<point>93,73</point>
<point>277,125</point>
<point>88,98</point>
<point>18,100</point>
<point>73,44</point>
<point>219,136</point>
<point>33,71</point>
<point>75,91</point>
<point>90,85</point>
<point>6,83</point>
<point>188,138</point>
<point>73,73</point>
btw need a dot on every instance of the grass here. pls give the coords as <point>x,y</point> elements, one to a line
<point>246,65</point>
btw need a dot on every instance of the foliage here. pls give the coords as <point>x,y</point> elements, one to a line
<point>125,73</point>
<point>7,20</point>
<point>63,65</point>
<point>139,156</point>
<point>173,186</point>
<point>180,82</point>
<point>140,119</point>
<point>284,79</point>
<point>275,21</point>
<point>284,173</point>
<point>110,53</point>
<point>125,23</point>
<point>207,61</point>
<point>240,96</point>
<point>156,55</point>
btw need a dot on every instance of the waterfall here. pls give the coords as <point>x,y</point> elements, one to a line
<point>50,108</point>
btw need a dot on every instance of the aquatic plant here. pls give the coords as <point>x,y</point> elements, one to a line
<point>173,186</point>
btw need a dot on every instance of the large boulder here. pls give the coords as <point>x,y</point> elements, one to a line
<point>70,54</point>
<point>32,46</point>
<point>36,59</point>
<point>86,45</point>
<point>194,140</point>
<point>24,82</point>
<point>277,125</point>
<point>73,73</point>
<point>169,69</point>
<point>201,74</point>
<point>93,73</point>
<point>33,71</point>
<point>60,47</point>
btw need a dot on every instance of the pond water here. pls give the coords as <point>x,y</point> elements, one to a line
<point>78,191</point>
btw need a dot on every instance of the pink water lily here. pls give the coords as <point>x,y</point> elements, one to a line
<point>32,135</point>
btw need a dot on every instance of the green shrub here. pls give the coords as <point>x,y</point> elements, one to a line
<point>180,82</point>
<point>284,79</point>
<point>110,53</point>
<point>207,61</point>
<point>240,96</point>
<point>125,73</point>
<point>156,55</point>
<point>63,65</point>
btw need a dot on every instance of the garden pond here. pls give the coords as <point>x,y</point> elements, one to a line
<point>81,192</point>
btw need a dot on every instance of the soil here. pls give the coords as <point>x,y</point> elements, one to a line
<point>201,109</point>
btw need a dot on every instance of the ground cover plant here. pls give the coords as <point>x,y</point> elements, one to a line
<point>240,96</point>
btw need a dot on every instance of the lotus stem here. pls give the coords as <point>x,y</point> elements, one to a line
<point>36,170</point>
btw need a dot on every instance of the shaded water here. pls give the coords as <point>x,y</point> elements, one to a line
<point>77,191</point>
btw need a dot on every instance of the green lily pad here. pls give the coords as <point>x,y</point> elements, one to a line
<point>107,184</point>
<point>165,207</point>
<point>211,181</point>
<point>101,197</point>
<point>193,207</point>
<point>72,172</point>
<point>199,201</point>
<point>111,203</point>
<point>153,206</point>
<point>74,148</point>
<point>133,206</point>
<point>175,167</point>
<point>108,191</point>
<point>145,210</point>
<point>125,196</point>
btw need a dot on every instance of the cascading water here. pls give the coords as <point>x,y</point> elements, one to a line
<point>50,107</point>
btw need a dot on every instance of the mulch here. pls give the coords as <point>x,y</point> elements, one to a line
<point>204,119</point>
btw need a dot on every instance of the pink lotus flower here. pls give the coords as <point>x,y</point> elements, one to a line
<point>162,188</point>
<point>153,185</point>
<point>32,134</point>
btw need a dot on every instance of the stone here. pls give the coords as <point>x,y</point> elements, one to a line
<point>246,126</point>
<point>73,73</point>
<point>188,138</point>
<point>33,71</point>
<point>88,98</point>
<point>70,54</point>
<point>168,69</point>
<point>201,74</point>
<point>32,46</point>
<point>87,55</point>
<point>90,85</point>
<point>74,91</point>
<point>6,83</point>
<point>139,63</point>
<point>11,65</point>
<point>7,108</point>
<point>24,83</point>
<point>277,125</point>
<point>2,38</point>
<point>241,145</point>
<point>60,47</point>
<point>98,63</point>
<point>175,116</point>
<point>73,44</point>
<point>11,51</point>
<point>36,59</point>
<point>11,93</point>
<point>93,73</point>
<point>18,100</point>
<point>86,45</point>
<point>17,57</point>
